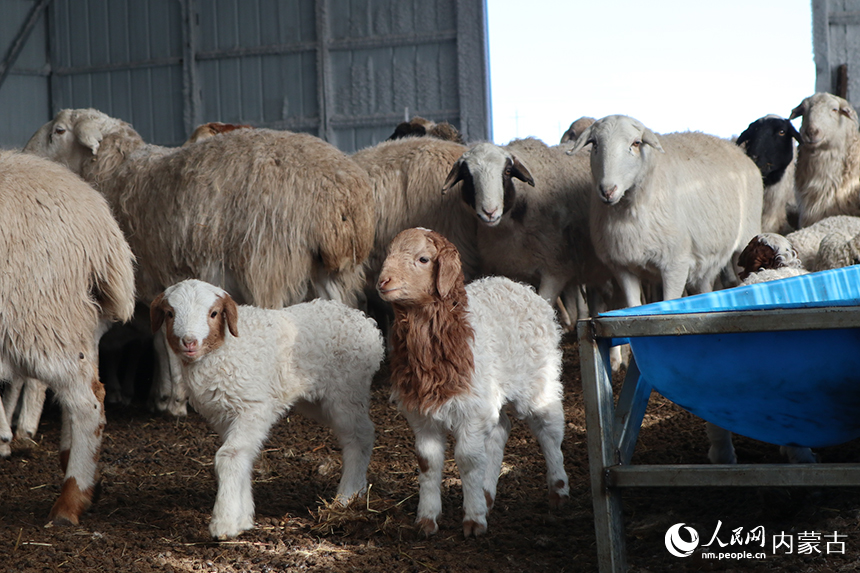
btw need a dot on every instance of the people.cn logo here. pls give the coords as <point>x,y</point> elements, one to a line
<point>680,547</point>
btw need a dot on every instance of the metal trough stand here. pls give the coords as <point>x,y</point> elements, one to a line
<point>613,428</point>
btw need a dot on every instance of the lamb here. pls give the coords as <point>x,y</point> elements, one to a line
<point>837,250</point>
<point>274,216</point>
<point>807,241</point>
<point>769,142</point>
<point>67,273</point>
<point>31,393</point>
<point>213,128</point>
<point>319,357</point>
<point>419,127</point>
<point>536,229</point>
<point>679,207</point>
<point>459,355</point>
<point>767,257</point>
<point>576,128</point>
<point>827,180</point>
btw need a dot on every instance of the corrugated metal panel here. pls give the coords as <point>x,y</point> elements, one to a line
<point>347,70</point>
<point>836,40</point>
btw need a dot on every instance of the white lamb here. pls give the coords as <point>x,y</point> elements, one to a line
<point>678,207</point>
<point>827,179</point>
<point>460,355</point>
<point>318,357</point>
<point>807,241</point>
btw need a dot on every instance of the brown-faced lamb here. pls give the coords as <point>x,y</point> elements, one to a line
<point>211,129</point>
<point>827,180</point>
<point>678,207</point>
<point>244,367</point>
<point>67,272</point>
<point>459,355</point>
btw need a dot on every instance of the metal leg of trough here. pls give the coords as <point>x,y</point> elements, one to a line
<point>602,450</point>
<point>632,403</point>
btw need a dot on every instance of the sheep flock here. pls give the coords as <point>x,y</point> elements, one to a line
<point>470,258</point>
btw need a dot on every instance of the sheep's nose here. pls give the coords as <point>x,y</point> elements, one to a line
<point>383,281</point>
<point>189,343</point>
<point>490,215</point>
<point>607,193</point>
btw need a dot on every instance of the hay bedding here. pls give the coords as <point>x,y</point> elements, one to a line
<point>158,490</point>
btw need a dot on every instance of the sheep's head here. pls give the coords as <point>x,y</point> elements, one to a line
<point>195,316</point>
<point>576,128</point>
<point>419,127</point>
<point>827,120</point>
<point>422,267</point>
<point>211,129</point>
<point>767,251</point>
<point>487,172</point>
<point>73,137</point>
<point>768,141</point>
<point>620,148</point>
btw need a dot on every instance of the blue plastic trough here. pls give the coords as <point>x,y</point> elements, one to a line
<point>797,387</point>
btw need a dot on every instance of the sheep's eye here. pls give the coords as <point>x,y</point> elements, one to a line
<point>636,144</point>
<point>423,260</point>
<point>59,130</point>
<point>781,132</point>
<point>169,314</point>
<point>214,314</point>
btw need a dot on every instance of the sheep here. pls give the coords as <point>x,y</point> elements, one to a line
<point>827,180</point>
<point>680,206</point>
<point>767,257</point>
<point>418,127</point>
<point>264,213</point>
<point>769,142</point>
<point>837,250</point>
<point>31,393</point>
<point>807,241</point>
<point>459,355</point>
<point>207,130</point>
<point>319,357</point>
<point>67,273</point>
<point>576,128</point>
<point>536,229</point>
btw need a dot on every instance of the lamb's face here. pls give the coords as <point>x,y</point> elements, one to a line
<point>766,251</point>
<point>196,316</point>
<point>409,272</point>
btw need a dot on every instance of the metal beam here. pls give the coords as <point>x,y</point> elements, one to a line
<point>20,40</point>
<point>740,475</point>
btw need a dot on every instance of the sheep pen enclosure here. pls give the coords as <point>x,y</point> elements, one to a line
<point>158,489</point>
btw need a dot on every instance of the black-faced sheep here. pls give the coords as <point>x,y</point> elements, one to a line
<point>827,180</point>
<point>67,271</point>
<point>244,367</point>
<point>678,207</point>
<point>769,142</point>
<point>460,355</point>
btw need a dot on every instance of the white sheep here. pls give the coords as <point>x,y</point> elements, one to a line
<point>532,201</point>
<point>273,216</point>
<point>461,354</point>
<point>807,241</point>
<point>827,180</point>
<point>678,207</point>
<point>837,250</point>
<point>767,257</point>
<point>67,271</point>
<point>317,357</point>
<point>31,394</point>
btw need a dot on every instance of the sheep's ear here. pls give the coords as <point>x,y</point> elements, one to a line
<point>231,311</point>
<point>848,111</point>
<point>454,176</point>
<point>156,313</point>
<point>448,268</point>
<point>89,134</point>
<point>519,171</point>
<point>744,137</point>
<point>583,140</point>
<point>792,131</point>
<point>650,138</point>
<point>798,111</point>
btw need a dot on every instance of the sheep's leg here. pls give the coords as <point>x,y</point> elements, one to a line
<point>495,446</point>
<point>31,409</point>
<point>721,451</point>
<point>797,455</point>
<point>234,463</point>
<point>5,434</point>
<point>674,281</point>
<point>550,289</point>
<point>430,446</point>
<point>471,458</point>
<point>83,424</point>
<point>11,397</point>
<point>547,425</point>
<point>631,286</point>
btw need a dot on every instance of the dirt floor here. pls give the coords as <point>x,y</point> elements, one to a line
<point>158,489</point>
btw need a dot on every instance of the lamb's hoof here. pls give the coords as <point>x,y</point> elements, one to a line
<point>427,526</point>
<point>471,528</point>
<point>5,450</point>
<point>558,499</point>
<point>223,530</point>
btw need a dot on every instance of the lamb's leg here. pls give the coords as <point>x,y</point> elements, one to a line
<point>547,425</point>
<point>355,433</point>
<point>234,463</point>
<point>5,434</point>
<point>31,409</point>
<point>721,451</point>
<point>495,446</point>
<point>797,455</point>
<point>471,458</point>
<point>430,446</point>
<point>11,396</point>
<point>82,404</point>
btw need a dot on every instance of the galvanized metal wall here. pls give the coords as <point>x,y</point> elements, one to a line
<point>346,70</point>
<point>836,40</point>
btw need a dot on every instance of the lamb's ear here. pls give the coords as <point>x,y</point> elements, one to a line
<point>583,140</point>
<point>798,111</point>
<point>519,171</point>
<point>456,175</point>
<point>650,138</point>
<point>156,313</point>
<point>231,312</point>
<point>88,131</point>
<point>448,267</point>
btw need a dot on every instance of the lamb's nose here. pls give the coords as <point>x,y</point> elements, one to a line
<point>189,343</point>
<point>382,282</point>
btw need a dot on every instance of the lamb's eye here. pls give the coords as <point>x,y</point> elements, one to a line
<point>169,314</point>
<point>214,314</point>
<point>423,260</point>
